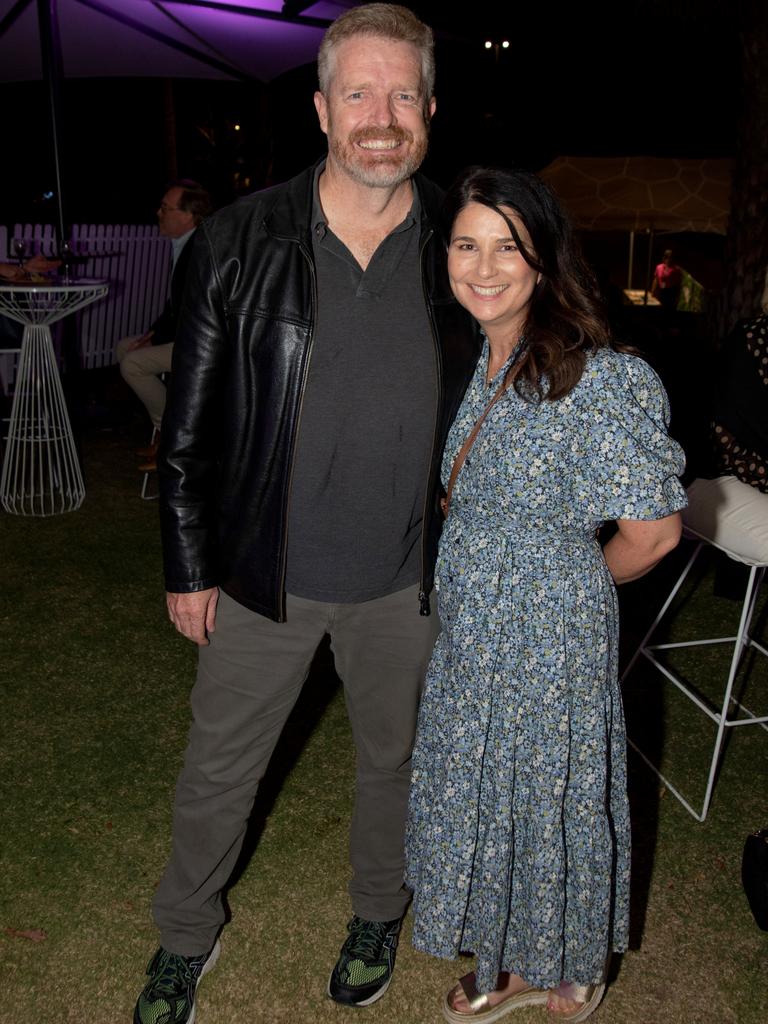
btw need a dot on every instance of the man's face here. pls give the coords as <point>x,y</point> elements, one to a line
<point>173,221</point>
<point>375,115</point>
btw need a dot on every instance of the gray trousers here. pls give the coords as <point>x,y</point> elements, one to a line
<point>248,680</point>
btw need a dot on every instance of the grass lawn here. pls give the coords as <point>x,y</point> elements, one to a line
<point>93,713</point>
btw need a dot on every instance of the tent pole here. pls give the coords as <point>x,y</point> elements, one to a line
<point>649,232</point>
<point>50,49</point>
<point>631,258</point>
<point>18,8</point>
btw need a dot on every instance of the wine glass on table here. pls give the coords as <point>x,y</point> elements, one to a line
<point>19,246</point>
<point>66,255</point>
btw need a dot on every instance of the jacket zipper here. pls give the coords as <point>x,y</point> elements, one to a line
<point>305,375</point>
<point>424,608</point>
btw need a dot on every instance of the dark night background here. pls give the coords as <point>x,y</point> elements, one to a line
<point>591,79</point>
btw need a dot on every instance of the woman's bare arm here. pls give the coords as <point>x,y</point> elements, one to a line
<point>639,545</point>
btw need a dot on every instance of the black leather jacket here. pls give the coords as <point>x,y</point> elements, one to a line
<point>235,394</point>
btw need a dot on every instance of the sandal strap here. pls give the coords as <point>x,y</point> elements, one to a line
<point>578,993</point>
<point>477,1000</point>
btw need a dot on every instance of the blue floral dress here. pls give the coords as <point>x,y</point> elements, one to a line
<point>517,844</point>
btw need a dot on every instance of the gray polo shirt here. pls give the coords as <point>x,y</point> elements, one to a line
<point>366,425</point>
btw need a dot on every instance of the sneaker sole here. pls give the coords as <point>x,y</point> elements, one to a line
<point>363,1002</point>
<point>210,963</point>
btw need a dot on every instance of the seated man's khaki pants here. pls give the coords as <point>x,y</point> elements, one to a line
<point>141,369</point>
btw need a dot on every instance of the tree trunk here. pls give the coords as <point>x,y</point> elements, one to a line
<point>746,249</point>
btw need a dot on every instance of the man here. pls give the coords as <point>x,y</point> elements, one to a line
<point>144,357</point>
<point>319,362</point>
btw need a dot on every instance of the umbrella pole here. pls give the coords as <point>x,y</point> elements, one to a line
<point>631,259</point>
<point>50,50</point>
<point>649,266</point>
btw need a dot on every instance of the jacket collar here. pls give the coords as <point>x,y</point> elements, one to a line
<point>291,212</point>
<point>290,215</point>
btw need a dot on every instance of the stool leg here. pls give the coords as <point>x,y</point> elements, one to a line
<point>145,481</point>
<point>742,642</point>
<point>663,611</point>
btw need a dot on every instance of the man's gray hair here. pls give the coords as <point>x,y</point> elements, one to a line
<point>194,198</point>
<point>385,21</point>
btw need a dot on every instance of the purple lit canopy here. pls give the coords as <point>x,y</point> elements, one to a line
<point>168,38</point>
<point>235,39</point>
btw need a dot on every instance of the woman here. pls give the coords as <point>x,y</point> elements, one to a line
<point>518,833</point>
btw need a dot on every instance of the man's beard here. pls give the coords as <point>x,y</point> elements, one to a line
<point>382,169</point>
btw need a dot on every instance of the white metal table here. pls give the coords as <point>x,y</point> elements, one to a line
<point>41,473</point>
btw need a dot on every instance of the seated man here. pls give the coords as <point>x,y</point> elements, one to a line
<point>144,357</point>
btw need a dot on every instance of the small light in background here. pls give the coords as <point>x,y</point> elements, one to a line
<point>497,47</point>
<point>236,127</point>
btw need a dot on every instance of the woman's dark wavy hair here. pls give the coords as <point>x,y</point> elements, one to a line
<point>565,318</point>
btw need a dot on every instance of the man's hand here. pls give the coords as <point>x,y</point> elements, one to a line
<point>194,615</point>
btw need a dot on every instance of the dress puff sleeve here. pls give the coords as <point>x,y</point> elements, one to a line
<point>628,465</point>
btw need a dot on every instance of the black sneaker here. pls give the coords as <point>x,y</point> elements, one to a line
<point>169,995</point>
<point>364,969</point>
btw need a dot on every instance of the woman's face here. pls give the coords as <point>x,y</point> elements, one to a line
<point>488,273</point>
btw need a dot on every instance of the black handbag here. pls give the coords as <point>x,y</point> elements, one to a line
<point>754,875</point>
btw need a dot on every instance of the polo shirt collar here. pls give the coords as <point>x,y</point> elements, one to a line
<point>320,224</point>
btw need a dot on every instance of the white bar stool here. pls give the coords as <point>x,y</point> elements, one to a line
<point>732,517</point>
<point>145,492</point>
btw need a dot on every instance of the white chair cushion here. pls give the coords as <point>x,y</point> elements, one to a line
<point>730,515</point>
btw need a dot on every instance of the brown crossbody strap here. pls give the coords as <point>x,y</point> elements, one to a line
<point>464,450</point>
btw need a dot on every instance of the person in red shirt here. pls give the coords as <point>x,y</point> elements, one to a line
<point>667,278</point>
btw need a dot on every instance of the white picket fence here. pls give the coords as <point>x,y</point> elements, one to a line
<point>133,258</point>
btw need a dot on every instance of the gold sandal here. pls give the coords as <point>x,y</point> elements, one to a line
<point>588,996</point>
<point>480,1008</point>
